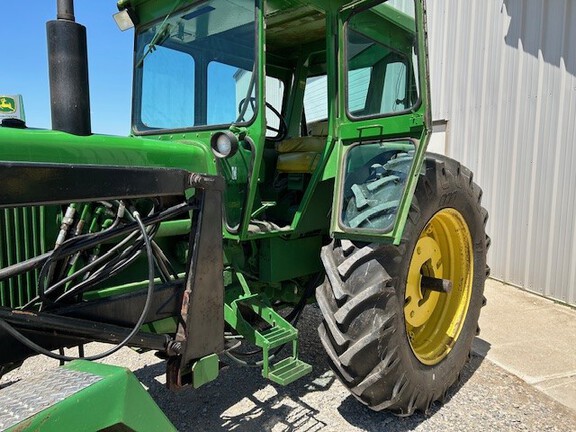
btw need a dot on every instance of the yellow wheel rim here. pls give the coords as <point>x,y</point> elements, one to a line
<point>434,319</point>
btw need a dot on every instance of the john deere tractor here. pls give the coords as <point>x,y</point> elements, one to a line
<point>277,158</point>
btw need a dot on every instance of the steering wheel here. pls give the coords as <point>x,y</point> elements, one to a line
<point>280,132</point>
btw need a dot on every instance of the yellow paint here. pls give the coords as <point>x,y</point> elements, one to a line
<point>298,162</point>
<point>434,320</point>
<point>5,105</point>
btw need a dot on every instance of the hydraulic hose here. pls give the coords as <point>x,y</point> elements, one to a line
<point>35,347</point>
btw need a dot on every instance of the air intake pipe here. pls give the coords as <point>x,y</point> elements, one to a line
<point>68,71</point>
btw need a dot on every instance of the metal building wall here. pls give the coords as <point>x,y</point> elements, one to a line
<point>504,76</point>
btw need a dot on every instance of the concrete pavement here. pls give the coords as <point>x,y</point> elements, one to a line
<point>531,337</point>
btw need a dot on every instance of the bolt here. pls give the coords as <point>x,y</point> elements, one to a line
<point>174,348</point>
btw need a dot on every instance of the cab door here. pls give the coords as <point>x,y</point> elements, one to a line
<point>383,117</point>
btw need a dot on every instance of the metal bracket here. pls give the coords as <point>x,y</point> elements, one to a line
<point>201,329</point>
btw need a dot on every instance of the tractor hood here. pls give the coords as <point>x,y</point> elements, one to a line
<point>47,146</point>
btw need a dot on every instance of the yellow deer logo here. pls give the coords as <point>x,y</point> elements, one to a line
<point>7,105</point>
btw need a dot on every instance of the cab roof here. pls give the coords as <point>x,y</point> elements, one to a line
<point>150,10</point>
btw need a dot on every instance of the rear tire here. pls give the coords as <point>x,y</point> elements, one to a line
<point>392,350</point>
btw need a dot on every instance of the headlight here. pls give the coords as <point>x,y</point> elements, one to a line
<point>224,144</point>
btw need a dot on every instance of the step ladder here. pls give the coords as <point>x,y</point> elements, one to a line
<point>277,334</point>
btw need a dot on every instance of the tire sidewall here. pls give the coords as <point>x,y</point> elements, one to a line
<point>445,186</point>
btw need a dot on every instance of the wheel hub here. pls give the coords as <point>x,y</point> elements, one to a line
<point>426,261</point>
<point>434,319</point>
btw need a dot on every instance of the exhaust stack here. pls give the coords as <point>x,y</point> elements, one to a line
<point>68,71</point>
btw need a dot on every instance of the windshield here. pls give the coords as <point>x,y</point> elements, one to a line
<point>194,67</point>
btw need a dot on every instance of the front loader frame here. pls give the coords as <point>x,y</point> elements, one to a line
<point>199,303</point>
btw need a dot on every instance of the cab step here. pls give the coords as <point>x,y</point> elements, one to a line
<point>278,336</point>
<point>288,370</point>
<point>278,333</point>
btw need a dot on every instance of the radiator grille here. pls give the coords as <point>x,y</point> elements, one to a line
<point>22,236</point>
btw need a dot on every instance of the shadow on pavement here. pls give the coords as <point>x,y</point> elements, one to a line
<point>379,421</point>
<point>481,347</point>
<point>241,400</point>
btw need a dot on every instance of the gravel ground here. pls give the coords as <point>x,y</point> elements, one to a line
<point>486,399</point>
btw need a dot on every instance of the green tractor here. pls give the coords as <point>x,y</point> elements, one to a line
<point>277,159</point>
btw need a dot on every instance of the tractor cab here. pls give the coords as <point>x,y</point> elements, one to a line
<point>292,98</point>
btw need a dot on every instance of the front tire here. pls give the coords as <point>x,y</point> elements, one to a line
<point>395,344</point>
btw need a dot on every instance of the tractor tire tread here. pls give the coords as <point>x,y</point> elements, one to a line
<point>360,294</point>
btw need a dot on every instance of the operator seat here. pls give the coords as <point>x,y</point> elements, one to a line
<point>300,155</point>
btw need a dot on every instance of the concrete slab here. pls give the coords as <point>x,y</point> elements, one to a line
<point>562,390</point>
<point>531,337</point>
<point>533,363</point>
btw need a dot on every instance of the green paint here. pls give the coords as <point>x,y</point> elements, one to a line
<point>24,235</point>
<point>7,105</point>
<point>163,326</point>
<point>117,400</point>
<point>289,370</point>
<point>280,332</point>
<point>173,228</point>
<point>286,259</point>
<point>121,289</point>
<point>205,370</point>
<point>58,147</point>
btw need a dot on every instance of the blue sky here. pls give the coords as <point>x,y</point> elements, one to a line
<point>24,61</point>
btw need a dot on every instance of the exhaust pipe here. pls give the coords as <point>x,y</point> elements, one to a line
<point>68,72</point>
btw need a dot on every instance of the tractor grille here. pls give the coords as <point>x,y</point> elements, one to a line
<point>22,236</point>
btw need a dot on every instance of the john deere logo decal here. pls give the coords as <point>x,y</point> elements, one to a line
<point>7,105</point>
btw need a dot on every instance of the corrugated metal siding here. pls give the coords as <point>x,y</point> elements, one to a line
<point>504,75</point>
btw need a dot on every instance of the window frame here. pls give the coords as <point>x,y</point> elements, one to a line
<point>341,191</point>
<point>415,67</point>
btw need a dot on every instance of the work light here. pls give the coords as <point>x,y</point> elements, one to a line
<point>224,144</point>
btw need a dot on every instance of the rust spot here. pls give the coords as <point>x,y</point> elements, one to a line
<point>44,420</point>
<point>21,312</point>
<point>22,426</point>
